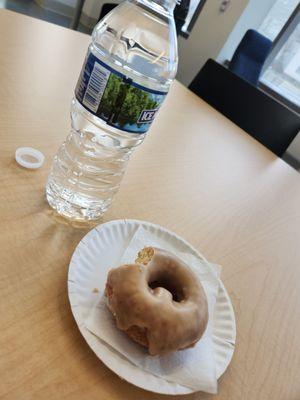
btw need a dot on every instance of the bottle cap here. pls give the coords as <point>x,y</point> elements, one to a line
<point>30,158</point>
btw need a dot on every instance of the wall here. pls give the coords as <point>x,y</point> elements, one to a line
<point>252,17</point>
<point>208,37</point>
<point>64,7</point>
<point>91,11</point>
<point>70,3</point>
<point>92,8</point>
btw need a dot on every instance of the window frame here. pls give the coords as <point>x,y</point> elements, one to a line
<point>278,43</point>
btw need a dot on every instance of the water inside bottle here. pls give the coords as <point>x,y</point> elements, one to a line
<point>137,40</point>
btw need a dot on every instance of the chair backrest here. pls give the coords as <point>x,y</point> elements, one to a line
<point>250,56</point>
<point>263,117</point>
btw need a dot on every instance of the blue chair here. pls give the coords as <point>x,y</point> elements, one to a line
<point>250,55</point>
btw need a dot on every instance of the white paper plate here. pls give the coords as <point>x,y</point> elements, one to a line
<point>101,248</point>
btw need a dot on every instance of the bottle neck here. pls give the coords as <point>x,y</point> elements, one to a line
<point>160,6</point>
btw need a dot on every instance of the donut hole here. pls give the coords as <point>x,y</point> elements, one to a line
<point>175,290</point>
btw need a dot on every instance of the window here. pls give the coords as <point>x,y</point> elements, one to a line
<point>281,73</point>
<point>277,18</point>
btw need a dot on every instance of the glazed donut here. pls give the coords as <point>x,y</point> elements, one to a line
<point>158,301</point>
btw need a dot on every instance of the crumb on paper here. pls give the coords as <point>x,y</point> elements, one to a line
<point>95,290</point>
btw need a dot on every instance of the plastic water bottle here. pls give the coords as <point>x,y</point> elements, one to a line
<point>126,75</point>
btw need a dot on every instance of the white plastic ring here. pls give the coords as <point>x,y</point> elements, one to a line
<point>30,158</point>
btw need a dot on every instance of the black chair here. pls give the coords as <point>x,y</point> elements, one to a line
<point>270,122</point>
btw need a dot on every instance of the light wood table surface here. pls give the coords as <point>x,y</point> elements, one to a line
<point>196,174</point>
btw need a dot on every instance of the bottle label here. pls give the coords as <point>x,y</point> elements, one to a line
<point>116,99</point>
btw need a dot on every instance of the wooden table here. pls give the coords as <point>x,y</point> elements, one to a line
<point>196,174</point>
